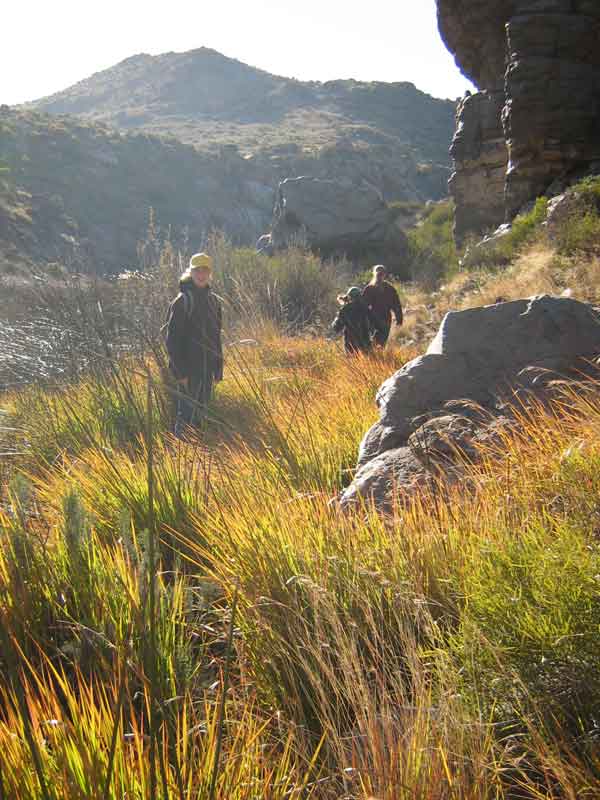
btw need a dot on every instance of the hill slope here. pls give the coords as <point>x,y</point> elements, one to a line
<point>80,193</point>
<point>207,99</point>
<point>204,140</point>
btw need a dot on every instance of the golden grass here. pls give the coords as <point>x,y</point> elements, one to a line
<point>536,270</point>
<point>447,651</point>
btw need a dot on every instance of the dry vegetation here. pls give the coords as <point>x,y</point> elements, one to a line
<point>197,620</point>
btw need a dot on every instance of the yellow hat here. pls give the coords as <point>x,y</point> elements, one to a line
<point>201,261</point>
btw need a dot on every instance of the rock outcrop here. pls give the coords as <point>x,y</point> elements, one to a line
<point>537,116</point>
<point>477,360</point>
<point>338,218</point>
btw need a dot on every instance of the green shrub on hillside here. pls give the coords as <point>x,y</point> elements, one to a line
<point>432,251</point>
<point>526,225</point>
<point>580,232</point>
<point>523,230</point>
<point>589,190</point>
<point>293,288</point>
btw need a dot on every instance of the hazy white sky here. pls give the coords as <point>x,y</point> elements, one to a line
<point>48,45</point>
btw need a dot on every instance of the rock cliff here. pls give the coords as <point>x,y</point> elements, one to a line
<point>536,118</point>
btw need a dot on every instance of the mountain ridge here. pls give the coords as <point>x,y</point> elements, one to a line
<point>195,95</point>
<point>204,140</point>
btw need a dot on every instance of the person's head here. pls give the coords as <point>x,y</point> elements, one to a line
<point>200,269</point>
<point>379,274</point>
<point>353,294</point>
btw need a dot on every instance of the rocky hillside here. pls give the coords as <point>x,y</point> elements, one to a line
<point>80,193</point>
<point>535,125</point>
<point>209,100</point>
<point>204,140</point>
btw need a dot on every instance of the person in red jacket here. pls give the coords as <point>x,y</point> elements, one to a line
<point>382,301</point>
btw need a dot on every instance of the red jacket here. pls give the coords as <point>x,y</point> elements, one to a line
<point>382,301</point>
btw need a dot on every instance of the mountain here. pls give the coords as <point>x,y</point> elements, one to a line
<point>204,140</point>
<point>207,99</point>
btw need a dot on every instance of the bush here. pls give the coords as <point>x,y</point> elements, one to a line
<point>293,288</point>
<point>432,251</point>
<point>580,232</point>
<point>522,232</point>
<point>589,190</point>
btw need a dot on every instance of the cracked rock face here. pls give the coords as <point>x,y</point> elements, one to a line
<point>537,115</point>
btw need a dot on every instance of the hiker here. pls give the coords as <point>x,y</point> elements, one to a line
<point>194,341</point>
<point>354,320</point>
<point>383,301</point>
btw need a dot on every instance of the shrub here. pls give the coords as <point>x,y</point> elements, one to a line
<point>293,288</point>
<point>432,251</point>
<point>580,231</point>
<point>589,189</point>
<point>524,229</point>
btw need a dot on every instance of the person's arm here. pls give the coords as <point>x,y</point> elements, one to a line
<point>339,323</point>
<point>397,307</point>
<point>219,343</point>
<point>176,337</point>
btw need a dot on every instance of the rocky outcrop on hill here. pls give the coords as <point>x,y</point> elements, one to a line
<point>337,219</point>
<point>480,159</point>
<point>204,140</point>
<point>477,361</point>
<point>537,116</point>
<point>81,194</point>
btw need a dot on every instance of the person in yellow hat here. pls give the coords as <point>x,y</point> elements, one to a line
<point>194,341</point>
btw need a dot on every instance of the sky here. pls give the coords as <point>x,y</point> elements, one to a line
<point>47,45</point>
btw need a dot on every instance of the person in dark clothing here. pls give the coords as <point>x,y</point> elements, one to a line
<point>383,301</point>
<point>194,341</point>
<point>354,321</point>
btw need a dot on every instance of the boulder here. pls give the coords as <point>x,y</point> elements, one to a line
<point>479,358</point>
<point>440,438</point>
<point>337,218</point>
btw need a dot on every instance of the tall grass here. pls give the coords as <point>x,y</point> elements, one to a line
<point>448,650</point>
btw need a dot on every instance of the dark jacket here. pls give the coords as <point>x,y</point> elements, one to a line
<point>194,333</point>
<point>382,301</point>
<point>354,320</point>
